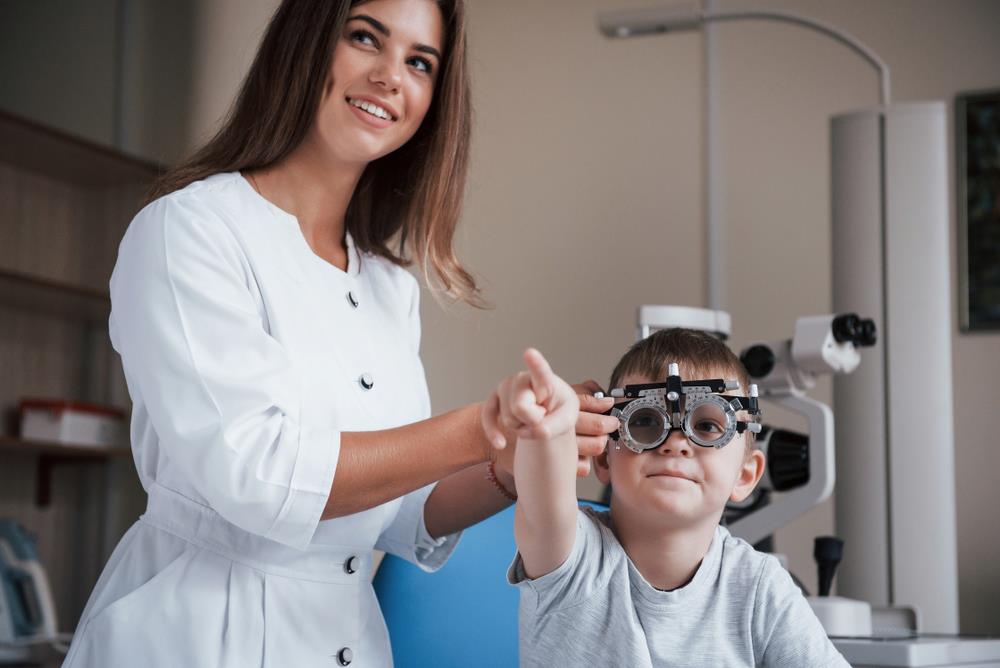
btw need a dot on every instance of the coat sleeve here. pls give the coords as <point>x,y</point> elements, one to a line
<point>222,394</point>
<point>406,536</point>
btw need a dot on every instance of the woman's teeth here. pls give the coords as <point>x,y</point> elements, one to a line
<point>372,109</point>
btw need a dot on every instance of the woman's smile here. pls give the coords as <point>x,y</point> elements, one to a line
<point>372,113</point>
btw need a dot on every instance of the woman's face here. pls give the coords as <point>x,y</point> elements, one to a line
<point>381,80</point>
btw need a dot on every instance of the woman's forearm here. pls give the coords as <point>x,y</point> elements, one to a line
<point>463,499</point>
<point>378,466</point>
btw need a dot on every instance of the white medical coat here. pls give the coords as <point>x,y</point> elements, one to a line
<point>244,355</point>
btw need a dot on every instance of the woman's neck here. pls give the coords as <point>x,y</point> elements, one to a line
<point>668,557</point>
<point>317,192</point>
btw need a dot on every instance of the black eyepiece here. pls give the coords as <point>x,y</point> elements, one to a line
<point>846,328</point>
<point>758,360</point>
<point>869,334</point>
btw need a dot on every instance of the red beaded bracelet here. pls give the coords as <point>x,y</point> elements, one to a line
<point>491,475</point>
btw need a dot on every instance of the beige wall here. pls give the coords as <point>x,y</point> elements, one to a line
<point>585,197</point>
<point>227,34</point>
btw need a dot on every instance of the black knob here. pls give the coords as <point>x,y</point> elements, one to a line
<point>345,656</point>
<point>758,360</point>
<point>869,334</point>
<point>827,550</point>
<point>846,328</point>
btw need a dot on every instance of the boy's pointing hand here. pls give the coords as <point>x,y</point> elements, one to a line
<point>533,404</point>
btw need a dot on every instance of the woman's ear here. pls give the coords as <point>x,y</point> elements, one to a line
<point>601,468</point>
<point>750,474</point>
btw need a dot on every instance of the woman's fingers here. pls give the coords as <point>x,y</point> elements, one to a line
<point>489,418</point>
<point>595,424</point>
<point>591,404</point>
<point>590,446</point>
<point>587,387</point>
<point>583,467</point>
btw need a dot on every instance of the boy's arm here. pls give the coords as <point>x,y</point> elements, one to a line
<point>542,410</point>
<point>545,515</point>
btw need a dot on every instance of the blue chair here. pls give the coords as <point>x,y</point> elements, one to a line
<point>463,615</point>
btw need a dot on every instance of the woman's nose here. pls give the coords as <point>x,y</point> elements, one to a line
<point>387,73</point>
<point>676,444</point>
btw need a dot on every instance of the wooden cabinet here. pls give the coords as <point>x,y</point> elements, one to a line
<point>64,205</point>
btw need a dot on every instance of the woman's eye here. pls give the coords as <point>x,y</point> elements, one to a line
<point>363,37</point>
<point>421,64</point>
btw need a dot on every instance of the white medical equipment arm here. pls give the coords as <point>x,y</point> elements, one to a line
<point>763,522</point>
<point>784,371</point>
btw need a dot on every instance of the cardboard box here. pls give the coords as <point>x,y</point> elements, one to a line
<point>73,422</point>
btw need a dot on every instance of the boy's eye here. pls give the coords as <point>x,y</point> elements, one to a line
<point>363,37</point>
<point>421,64</point>
<point>708,427</point>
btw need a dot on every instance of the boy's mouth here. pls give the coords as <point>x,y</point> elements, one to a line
<point>669,473</point>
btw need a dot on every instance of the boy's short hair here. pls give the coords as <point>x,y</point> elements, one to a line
<point>699,354</point>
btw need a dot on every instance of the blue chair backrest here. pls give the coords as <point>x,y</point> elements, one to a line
<point>464,614</point>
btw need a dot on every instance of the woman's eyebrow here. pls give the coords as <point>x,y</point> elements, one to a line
<point>423,48</point>
<point>378,25</point>
<point>384,29</point>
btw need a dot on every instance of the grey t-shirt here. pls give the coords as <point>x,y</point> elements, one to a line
<point>740,609</point>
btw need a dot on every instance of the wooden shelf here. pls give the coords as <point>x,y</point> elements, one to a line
<point>29,145</point>
<point>47,296</point>
<point>61,450</point>
<point>51,455</point>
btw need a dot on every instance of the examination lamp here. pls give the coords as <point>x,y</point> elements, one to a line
<point>675,18</point>
<point>889,195</point>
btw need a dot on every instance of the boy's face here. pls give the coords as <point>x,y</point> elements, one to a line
<point>680,483</point>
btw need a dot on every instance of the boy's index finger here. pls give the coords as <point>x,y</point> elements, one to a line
<point>541,374</point>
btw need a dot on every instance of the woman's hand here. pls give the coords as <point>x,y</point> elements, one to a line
<point>535,404</point>
<point>592,428</point>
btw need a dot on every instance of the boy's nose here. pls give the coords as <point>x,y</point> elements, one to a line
<point>677,443</point>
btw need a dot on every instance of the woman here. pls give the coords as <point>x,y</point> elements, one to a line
<point>270,340</point>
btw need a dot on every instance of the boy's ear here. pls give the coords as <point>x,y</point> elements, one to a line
<point>750,474</point>
<point>601,469</point>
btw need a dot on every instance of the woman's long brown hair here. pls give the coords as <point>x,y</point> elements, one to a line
<point>412,196</point>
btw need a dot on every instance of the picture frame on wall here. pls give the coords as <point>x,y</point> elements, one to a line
<point>977,159</point>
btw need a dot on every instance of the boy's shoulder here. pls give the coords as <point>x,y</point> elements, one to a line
<point>596,559</point>
<point>757,574</point>
<point>599,518</point>
<point>740,561</point>
<point>595,530</point>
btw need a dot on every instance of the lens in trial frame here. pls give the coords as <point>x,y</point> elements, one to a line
<point>709,423</point>
<point>645,426</point>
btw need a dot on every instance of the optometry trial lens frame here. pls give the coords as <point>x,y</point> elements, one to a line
<point>708,418</point>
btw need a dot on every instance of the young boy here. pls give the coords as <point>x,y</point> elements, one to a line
<point>656,581</point>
